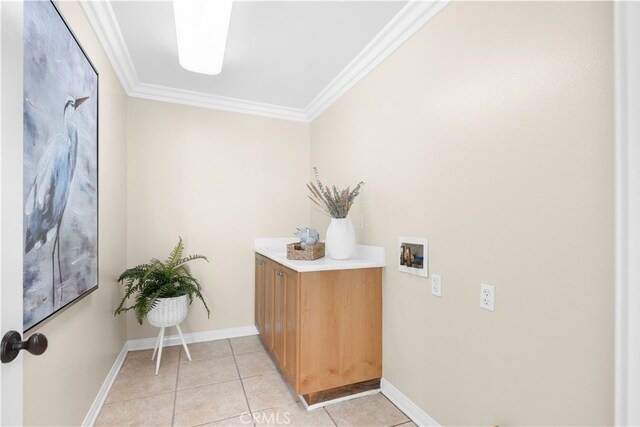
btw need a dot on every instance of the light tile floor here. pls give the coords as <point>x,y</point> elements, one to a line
<point>228,383</point>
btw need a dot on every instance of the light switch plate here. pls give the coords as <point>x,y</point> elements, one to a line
<point>487,297</point>
<point>436,285</point>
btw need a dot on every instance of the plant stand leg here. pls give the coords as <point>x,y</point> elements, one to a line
<point>161,341</point>
<point>155,349</point>
<point>184,344</point>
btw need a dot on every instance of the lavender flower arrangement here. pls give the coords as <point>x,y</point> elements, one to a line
<point>333,202</point>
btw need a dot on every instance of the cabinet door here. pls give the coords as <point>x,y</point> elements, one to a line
<point>340,339</point>
<point>291,286</point>
<point>279,306</point>
<point>260,285</point>
<point>269,275</point>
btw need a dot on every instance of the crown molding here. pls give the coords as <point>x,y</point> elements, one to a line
<point>406,23</point>
<point>215,102</point>
<point>103,21</point>
<point>409,20</point>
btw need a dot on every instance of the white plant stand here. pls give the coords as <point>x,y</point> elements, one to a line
<point>168,312</point>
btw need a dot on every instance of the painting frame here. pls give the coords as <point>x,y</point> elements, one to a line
<point>409,250</point>
<point>59,23</point>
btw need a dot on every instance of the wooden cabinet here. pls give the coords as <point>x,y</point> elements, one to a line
<point>323,328</point>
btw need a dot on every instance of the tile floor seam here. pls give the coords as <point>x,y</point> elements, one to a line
<point>137,398</point>
<point>259,375</point>
<point>244,392</point>
<point>330,417</point>
<point>208,385</point>
<point>401,411</point>
<point>222,356</point>
<point>175,392</point>
<point>273,407</point>
<point>249,352</point>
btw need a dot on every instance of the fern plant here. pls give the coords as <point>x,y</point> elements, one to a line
<point>147,283</point>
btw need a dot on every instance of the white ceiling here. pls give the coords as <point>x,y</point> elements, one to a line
<point>287,59</point>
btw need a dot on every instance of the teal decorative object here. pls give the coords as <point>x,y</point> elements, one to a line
<point>308,236</point>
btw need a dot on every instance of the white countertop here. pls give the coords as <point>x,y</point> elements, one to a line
<point>276,249</point>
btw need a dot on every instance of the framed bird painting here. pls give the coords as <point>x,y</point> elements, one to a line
<point>60,173</point>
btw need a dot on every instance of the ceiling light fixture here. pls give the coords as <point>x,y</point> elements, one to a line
<point>201,29</point>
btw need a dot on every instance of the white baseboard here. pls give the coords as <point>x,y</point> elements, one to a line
<point>337,400</point>
<point>218,334</point>
<point>96,406</point>
<point>413,411</point>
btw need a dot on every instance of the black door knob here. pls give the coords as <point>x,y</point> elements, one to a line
<point>12,344</point>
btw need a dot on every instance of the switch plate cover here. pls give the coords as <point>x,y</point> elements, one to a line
<point>436,285</point>
<point>487,297</point>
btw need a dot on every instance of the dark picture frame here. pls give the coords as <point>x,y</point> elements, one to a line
<point>60,169</point>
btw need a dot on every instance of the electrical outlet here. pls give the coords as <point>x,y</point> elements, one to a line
<point>436,285</point>
<point>487,297</point>
<point>360,221</point>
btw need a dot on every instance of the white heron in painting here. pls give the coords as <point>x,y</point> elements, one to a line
<point>49,191</point>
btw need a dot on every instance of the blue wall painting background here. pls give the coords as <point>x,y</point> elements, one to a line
<point>60,190</point>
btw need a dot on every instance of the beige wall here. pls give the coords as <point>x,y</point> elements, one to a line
<point>219,180</point>
<point>84,340</point>
<point>490,132</point>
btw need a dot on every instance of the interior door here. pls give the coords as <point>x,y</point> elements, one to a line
<point>11,46</point>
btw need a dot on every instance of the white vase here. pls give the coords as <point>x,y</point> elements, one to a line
<point>340,240</point>
<point>168,312</point>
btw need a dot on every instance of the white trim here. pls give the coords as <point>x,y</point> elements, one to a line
<point>406,23</point>
<point>214,102</point>
<point>338,399</point>
<point>193,337</point>
<point>409,20</point>
<point>413,411</point>
<point>627,309</point>
<point>95,408</point>
<point>105,25</point>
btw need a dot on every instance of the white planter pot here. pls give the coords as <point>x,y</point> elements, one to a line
<point>168,312</point>
<point>340,240</point>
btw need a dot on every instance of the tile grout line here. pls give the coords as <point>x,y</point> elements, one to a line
<point>330,417</point>
<point>401,411</point>
<point>244,392</point>
<point>175,392</point>
<point>137,374</point>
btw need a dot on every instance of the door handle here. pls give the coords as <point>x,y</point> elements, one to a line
<point>12,344</point>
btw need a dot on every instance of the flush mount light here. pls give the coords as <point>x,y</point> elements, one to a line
<point>201,29</point>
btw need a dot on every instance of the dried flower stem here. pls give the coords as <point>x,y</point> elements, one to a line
<point>333,202</point>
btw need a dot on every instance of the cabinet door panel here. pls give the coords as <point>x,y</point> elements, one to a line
<point>260,285</point>
<point>279,299</point>
<point>341,328</point>
<point>291,327</point>
<point>268,304</point>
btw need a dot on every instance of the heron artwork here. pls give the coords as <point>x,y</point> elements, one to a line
<point>60,166</point>
<point>47,199</point>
